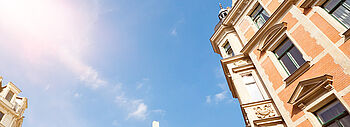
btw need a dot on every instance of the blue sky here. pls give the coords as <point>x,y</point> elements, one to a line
<point>116,63</point>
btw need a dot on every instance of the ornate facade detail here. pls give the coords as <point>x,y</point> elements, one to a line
<point>241,63</point>
<point>264,111</point>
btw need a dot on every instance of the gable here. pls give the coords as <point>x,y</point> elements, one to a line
<point>310,88</point>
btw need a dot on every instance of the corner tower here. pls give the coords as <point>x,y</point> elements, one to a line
<point>245,83</point>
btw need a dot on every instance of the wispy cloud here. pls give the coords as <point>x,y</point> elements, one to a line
<point>142,83</point>
<point>217,98</point>
<point>140,112</point>
<point>136,108</point>
<point>173,32</point>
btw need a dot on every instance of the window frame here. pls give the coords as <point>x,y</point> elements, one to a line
<point>229,49</point>
<point>336,118</point>
<point>330,12</point>
<point>10,99</point>
<point>288,54</point>
<point>258,15</point>
<point>257,82</point>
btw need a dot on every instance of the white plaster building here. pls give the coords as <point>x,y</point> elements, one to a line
<point>12,106</point>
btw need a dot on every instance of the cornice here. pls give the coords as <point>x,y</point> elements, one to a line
<point>271,22</point>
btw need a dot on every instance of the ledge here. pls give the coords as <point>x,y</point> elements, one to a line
<point>310,3</point>
<point>269,121</point>
<point>301,70</point>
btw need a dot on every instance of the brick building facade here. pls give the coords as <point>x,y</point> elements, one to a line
<point>287,61</point>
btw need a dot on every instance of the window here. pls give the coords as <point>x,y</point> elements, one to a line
<point>1,115</point>
<point>252,87</point>
<point>289,56</point>
<point>228,49</point>
<point>333,114</point>
<point>259,16</point>
<point>340,9</point>
<point>9,96</point>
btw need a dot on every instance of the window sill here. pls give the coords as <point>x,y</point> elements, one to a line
<point>301,70</point>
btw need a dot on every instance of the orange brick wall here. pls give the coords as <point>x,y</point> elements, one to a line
<point>325,27</point>
<point>347,98</point>
<point>291,21</point>
<point>272,72</point>
<point>346,48</point>
<point>307,43</point>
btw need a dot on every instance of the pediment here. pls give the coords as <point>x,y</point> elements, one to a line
<point>310,88</point>
<point>271,35</point>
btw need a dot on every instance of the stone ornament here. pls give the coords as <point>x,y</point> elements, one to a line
<point>264,111</point>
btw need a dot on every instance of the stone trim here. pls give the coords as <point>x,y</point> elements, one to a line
<point>242,62</point>
<point>280,11</point>
<point>307,89</point>
<point>269,121</point>
<point>300,71</point>
<point>271,35</point>
<point>310,3</point>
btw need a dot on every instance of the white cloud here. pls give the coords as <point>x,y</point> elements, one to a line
<point>77,95</point>
<point>173,32</point>
<point>142,83</point>
<point>208,99</point>
<point>136,109</point>
<point>219,97</point>
<point>140,112</point>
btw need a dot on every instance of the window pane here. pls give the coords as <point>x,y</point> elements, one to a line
<point>265,15</point>
<point>333,125</point>
<point>345,121</point>
<point>343,15</point>
<point>331,4</point>
<point>230,52</point>
<point>1,115</point>
<point>256,11</point>
<point>254,92</point>
<point>331,111</point>
<point>297,56</point>
<point>9,96</point>
<point>283,47</point>
<point>247,79</point>
<point>260,21</point>
<point>288,64</point>
<point>347,2</point>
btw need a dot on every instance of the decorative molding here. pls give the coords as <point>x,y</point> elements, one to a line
<point>228,76</point>
<point>310,89</point>
<point>311,3</point>
<point>275,17</point>
<point>234,14</point>
<point>272,121</point>
<point>301,70</point>
<point>271,35</point>
<point>264,111</point>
